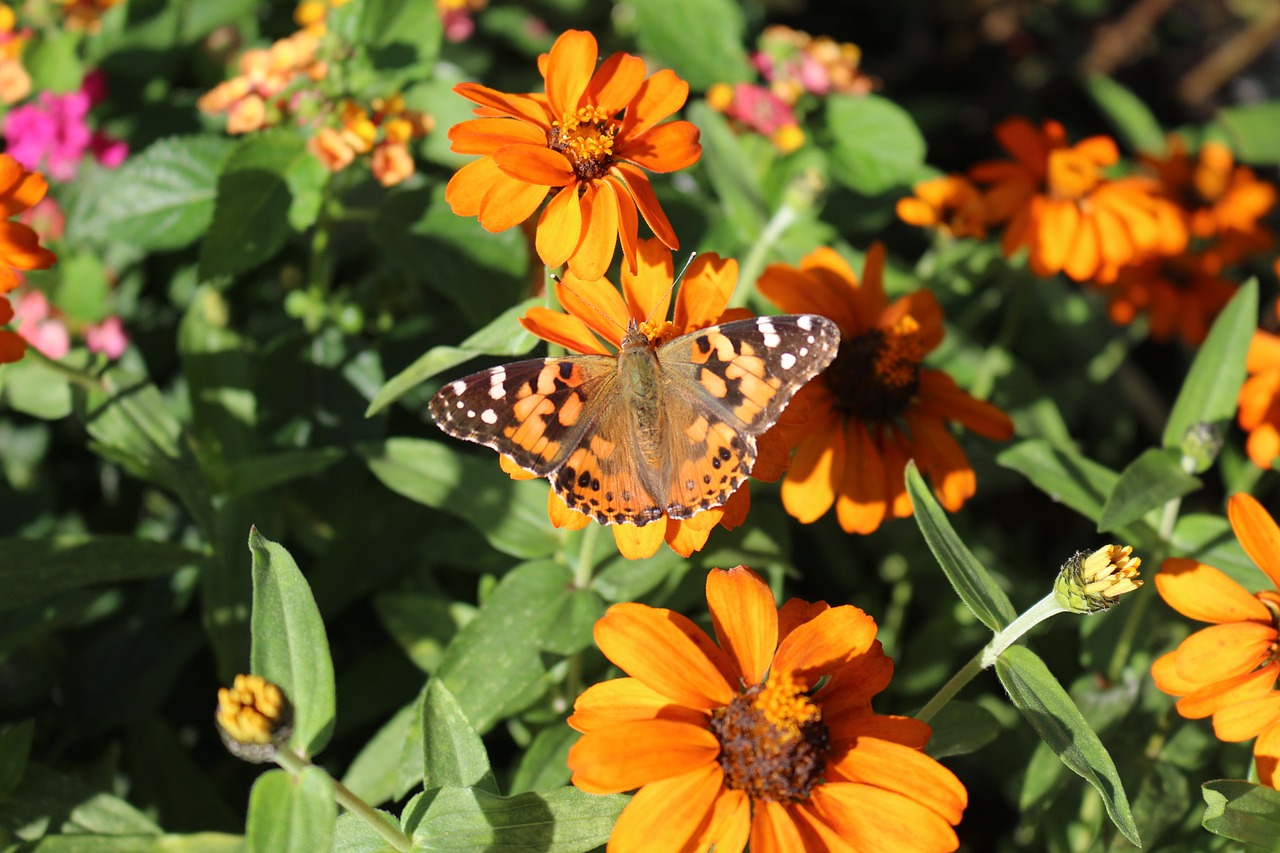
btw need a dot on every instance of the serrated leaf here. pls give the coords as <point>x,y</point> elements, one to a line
<point>512,515</point>
<point>1242,811</point>
<point>970,579</point>
<point>503,336</point>
<point>1212,387</point>
<point>289,643</point>
<point>877,145</point>
<point>1051,712</point>
<point>1150,481</point>
<point>453,754</point>
<point>161,198</point>
<point>564,820</point>
<point>31,570</point>
<point>701,40</point>
<point>290,814</point>
<point>1128,113</point>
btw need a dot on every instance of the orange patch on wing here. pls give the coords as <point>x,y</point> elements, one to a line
<point>570,410</point>
<point>714,383</point>
<point>697,431</point>
<point>601,448</point>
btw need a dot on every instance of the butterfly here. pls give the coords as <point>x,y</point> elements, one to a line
<point>652,430</point>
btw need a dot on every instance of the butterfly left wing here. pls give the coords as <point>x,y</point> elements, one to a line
<point>726,385</point>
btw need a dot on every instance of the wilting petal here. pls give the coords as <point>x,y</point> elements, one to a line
<point>745,618</point>
<point>627,755</point>
<point>652,644</point>
<point>1206,594</point>
<point>1257,532</point>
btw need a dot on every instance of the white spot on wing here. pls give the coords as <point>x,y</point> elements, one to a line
<point>787,360</point>
<point>805,322</point>
<point>766,328</point>
<point>459,386</point>
<point>804,351</point>
<point>811,339</point>
<point>496,380</point>
<point>471,413</point>
<point>461,405</point>
<point>489,416</point>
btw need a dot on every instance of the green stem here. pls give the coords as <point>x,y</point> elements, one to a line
<point>1128,635</point>
<point>1040,611</point>
<point>581,579</point>
<point>71,374</point>
<point>783,218</point>
<point>295,764</point>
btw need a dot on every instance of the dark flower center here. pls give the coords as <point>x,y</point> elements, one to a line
<point>876,374</point>
<point>773,743</point>
<point>586,138</point>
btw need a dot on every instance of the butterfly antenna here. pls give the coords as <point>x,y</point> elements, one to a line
<point>675,281</point>
<point>588,302</point>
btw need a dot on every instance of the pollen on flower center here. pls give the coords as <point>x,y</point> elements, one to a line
<point>586,138</point>
<point>773,743</point>
<point>1071,174</point>
<point>876,374</point>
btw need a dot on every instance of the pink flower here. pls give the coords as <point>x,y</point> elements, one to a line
<point>38,325</point>
<point>759,109</point>
<point>107,337</point>
<point>53,134</point>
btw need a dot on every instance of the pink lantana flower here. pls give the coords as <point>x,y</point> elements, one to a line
<point>53,134</point>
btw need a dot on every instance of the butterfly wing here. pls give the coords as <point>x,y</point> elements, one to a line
<point>558,418</point>
<point>725,385</point>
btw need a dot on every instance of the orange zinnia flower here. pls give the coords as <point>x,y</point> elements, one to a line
<point>768,737</point>
<point>1218,196</point>
<point>20,247</point>
<point>1229,669</point>
<point>1057,202</point>
<point>951,204</point>
<point>1259,401</point>
<point>596,313</point>
<point>876,406</point>
<point>590,135</point>
<point>1181,295</point>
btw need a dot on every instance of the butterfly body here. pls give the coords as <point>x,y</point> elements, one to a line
<point>668,429</point>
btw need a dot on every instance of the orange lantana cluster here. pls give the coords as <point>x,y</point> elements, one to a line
<point>86,14</point>
<point>385,134</point>
<point>20,247</point>
<point>268,89</point>
<point>1157,242</point>
<point>15,82</point>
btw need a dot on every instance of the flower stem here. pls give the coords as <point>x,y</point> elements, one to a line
<point>1040,611</point>
<point>783,218</point>
<point>71,374</point>
<point>295,764</point>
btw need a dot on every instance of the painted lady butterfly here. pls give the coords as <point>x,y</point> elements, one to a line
<point>651,430</point>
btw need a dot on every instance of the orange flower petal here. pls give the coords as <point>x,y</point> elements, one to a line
<point>487,135</point>
<point>815,831</point>
<point>1206,594</point>
<point>705,291</point>
<point>1224,651</point>
<point>19,189</point>
<point>874,820</point>
<point>809,489</point>
<point>1264,352</point>
<point>745,618</point>
<point>590,259</point>
<point>1258,533</point>
<point>829,640</point>
<point>898,768</point>
<point>516,106</point>
<point>907,731</point>
<point>570,65</point>
<point>658,647</point>
<point>1086,255</point>
<point>597,304</point>
<point>861,505</point>
<point>559,227</point>
<point>615,83</point>
<point>562,329</point>
<point>627,755</point>
<point>646,201</point>
<point>680,813</point>
<point>798,292</point>
<point>1212,698</point>
<point>729,826</point>
<point>659,96</point>
<point>870,295</point>
<point>1266,756</point>
<point>942,459</point>
<point>1263,445</point>
<point>12,346</point>
<point>664,148</point>
<point>509,202</point>
<point>684,538</point>
<point>468,185</point>
<point>637,543</point>
<point>535,164</point>
<point>626,700</point>
<point>1021,139</point>
<point>1056,237</point>
<point>941,396</point>
<point>648,290</point>
<point>735,509</point>
<point>20,248</point>
<point>773,830</point>
<point>628,221</point>
<point>1164,672</point>
<point>563,518</point>
<point>1246,720</point>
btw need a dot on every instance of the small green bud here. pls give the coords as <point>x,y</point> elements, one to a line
<point>1089,583</point>
<point>1201,444</point>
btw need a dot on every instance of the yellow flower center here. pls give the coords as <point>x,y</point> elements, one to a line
<point>1071,175</point>
<point>586,138</point>
<point>876,374</point>
<point>252,710</point>
<point>773,743</point>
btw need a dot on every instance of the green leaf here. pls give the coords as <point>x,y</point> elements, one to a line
<point>545,764</point>
<point>453,755</point>
<point>701,40</point>
<point>290,814</point>
<point>53,62</point>
<point>201,18</point>
<point>219,374</point>
<point>65,804</point>
<point>35,389</point>
<point>1128,113</point>
<point>1063,475</point>
<point>1150,481</point>
<point>32,570</point>
<point>270,186</point>
<point>1242,811</point>
<point>1212,386</point>
<point>289,643</point>
<point>961,728</point>
<point>1210,539</point>
<point>736,184</point>
<point>159,199</point>
<point>198,842</point>
<point>266,471</point>
<point>877,145</point>
<point>401,35</point>
<point>1254,131</point>
<point>1055,717</point>
<point>15,746</point>
<point>495,662</point>
<point>83,287</point>
<point>511,514</point>
<point>390,765</point>
<point>970,579</point>
<point>503,336</point>
<point>565,820</point>
<point>421,624</point>
<point>354,835</point>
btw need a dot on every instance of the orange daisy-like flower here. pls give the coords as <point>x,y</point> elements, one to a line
<point>1229,670</point>
<point>591,135</point>
<point>951,204</point>
<point>20,247</point>
<point>1180,294</point>
<point>1259,401</point>
<point>1218,196</point>
<point>596,318</point>
<point>876,406</point>
<point>767,738</point>
<point>1056,200</point>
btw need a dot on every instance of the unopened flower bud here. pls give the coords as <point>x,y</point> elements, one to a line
<point>1089,583</point>
<point>254,717</point>
<point>1201,444</point>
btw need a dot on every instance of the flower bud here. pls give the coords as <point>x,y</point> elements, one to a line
<point>1089,583</point>
<point>1201,443</point>
<point>254,717</point>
